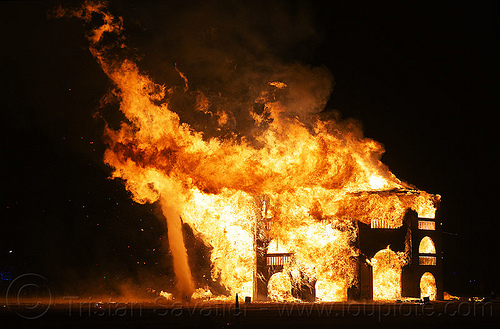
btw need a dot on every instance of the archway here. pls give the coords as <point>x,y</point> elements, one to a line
<point>428,286</point>
<point>386,275</point>
<point>426,246</point>
<point>279,287</point>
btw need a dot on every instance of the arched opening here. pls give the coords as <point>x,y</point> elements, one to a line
<point>279,287</point>
<point>386,275</point>
<point>428,286</point>
<point>426,246</point>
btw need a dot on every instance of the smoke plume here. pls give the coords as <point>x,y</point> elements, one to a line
<point>228,116</point>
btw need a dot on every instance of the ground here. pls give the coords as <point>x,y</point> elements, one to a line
<point>84,314</point>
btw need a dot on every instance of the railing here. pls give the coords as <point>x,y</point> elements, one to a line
<point>426,260</point>
<point>382,223</point>
<point>278,259</point>
<point>426,225</point>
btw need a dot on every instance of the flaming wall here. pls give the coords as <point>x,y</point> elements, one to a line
<point>416,246</point>
<point>267,167</point>
<point>406,241</point>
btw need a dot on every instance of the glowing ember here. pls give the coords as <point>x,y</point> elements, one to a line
<point>167,295</point>
<point>318,177</point>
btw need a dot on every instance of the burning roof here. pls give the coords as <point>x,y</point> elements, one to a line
<point>313,179</point>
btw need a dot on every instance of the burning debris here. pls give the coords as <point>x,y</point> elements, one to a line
<point>281,204</point>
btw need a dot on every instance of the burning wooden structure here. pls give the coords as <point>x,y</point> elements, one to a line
<point>266,167</point>
<point>415,260</point>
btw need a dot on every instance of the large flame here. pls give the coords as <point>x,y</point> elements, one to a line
<point>386,275</point>
<point>319,177</point>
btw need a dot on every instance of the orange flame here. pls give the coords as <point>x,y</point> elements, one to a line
<point>386,275</point>
<point>428,286</point>
<point>426,246</point>
<point>320,177</point>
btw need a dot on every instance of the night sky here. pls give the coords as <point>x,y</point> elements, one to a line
<point>422,79</point>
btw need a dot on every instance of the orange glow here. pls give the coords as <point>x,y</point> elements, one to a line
<point>426,260</point>
<point>426,246</point>
<point>280,288</point>
<point>386,275</point>
<point>318,178</point>
<point>428,286</point>
<point>447,296</point>
<point>426,225</point>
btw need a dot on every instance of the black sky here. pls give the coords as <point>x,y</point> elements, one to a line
<point>422,78</point>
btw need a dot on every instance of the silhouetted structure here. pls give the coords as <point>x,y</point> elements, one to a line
<point>406,238</point>
<point>370,240</point>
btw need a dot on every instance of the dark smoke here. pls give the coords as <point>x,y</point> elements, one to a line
<point>229,51</point>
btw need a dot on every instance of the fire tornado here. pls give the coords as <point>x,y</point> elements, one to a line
<point>284,190</point>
